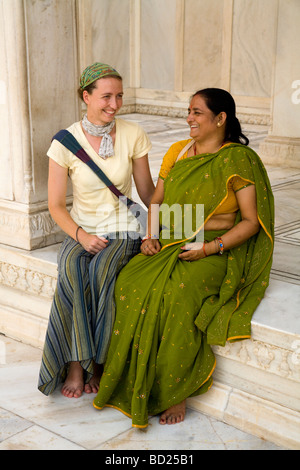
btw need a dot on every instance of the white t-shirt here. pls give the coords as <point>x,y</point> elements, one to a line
<point>95,208</point>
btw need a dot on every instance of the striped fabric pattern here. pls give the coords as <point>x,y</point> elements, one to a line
<point>83,309</point>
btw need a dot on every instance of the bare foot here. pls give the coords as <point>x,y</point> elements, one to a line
<point>93,385</point>
<point>73,386</point>
<point>173,415</point>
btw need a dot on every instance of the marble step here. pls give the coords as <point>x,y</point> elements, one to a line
<point>256,381</point>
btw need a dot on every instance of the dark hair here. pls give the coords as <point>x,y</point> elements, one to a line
<point>91,87</point>
<point>218,100</point>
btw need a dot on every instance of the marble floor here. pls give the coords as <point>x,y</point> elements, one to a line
<point>31,421</point>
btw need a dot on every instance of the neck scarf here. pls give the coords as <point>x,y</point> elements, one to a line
<point>106,148</point>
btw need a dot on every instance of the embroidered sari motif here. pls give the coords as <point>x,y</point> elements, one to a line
<point>169,311</point>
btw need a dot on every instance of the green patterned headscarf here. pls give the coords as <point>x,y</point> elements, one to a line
<point>94,72</point>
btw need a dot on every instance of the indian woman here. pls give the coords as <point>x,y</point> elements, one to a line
<point>188,291</point>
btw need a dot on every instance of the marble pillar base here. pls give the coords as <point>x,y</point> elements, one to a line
<point>27,226</point>
<point>256,382</point>
<point>27,284</point>
<point>280,151</point>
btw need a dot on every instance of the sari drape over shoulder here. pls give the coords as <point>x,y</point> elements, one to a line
<point>169,311</point>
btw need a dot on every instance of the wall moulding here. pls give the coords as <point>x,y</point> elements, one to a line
<point>250,110</point>
<point>179,111</point>
<point>281,151</point>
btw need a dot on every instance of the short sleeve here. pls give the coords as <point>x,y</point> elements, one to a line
<point>239,183</point>
<point>170,158</point>
<point>142,144</point>
<point>59,154</point>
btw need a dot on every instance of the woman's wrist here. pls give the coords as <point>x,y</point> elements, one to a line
<point>76,234</point>
<point>220,245</point>
<point>150,237</point>
<point>211,248</point>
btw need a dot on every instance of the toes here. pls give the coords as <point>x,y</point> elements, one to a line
<point>173,415</point>
<point>163,419</point>
<point>173,419</point>
<point>91,388</point>
<point>87,388</point>
<point>77,393</point>
<point>71,392</point>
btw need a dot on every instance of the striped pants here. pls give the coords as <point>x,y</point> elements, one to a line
<point>83,308</point>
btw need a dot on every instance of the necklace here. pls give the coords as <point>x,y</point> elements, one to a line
<point>106,147</point>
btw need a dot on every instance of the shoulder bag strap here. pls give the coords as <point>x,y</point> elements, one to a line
<point>69,141</point>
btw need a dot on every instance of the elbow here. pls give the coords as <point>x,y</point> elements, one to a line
<point>251,226</point>
<point>51,209</point>
<point>55,209</point>
<point>254,227</point>
<point>148,195</point>
<point>147,200</point>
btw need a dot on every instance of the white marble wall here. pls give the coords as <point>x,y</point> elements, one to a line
<point>165,50</point>
<point>158,36</point>
<point>253,47</point>
<point>202,57</point>
<point>286,103</point>
<point>110,25</point>
<point>283,143</point>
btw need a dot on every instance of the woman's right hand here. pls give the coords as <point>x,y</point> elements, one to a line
<point>91,243</point>
<point>150,247</point>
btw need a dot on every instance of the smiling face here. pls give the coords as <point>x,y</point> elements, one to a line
<point>204,124</point>
<point>104,101</point>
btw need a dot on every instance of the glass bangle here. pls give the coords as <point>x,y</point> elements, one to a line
<point>221,245</point>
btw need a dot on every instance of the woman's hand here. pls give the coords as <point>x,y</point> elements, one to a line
<point>192,252</point>
<point>91,243</point>
<point>150,247</point>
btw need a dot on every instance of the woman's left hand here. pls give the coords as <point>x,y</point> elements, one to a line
<point>150,247</point>
<point>192,252</point>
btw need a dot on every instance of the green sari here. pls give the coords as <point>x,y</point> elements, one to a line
<point>169,311</point>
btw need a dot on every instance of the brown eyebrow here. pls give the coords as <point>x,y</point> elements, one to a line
<point>194,109</point>
<point>110,94</point>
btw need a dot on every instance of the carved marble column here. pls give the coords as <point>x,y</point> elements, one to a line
<point>38,75</point>
<point>282,146</point>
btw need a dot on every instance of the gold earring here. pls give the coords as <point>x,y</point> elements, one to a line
<point>218,124</point>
